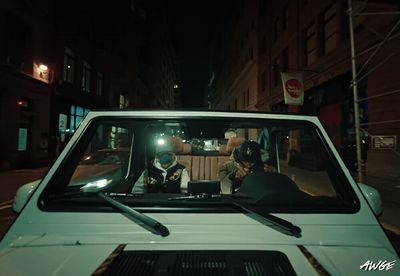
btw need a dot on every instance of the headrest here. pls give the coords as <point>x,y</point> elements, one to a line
<point>186,149</point>
<point>177,144</point>
<point>234,142</point>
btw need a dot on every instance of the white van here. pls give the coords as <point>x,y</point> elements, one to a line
<point>170,193</point>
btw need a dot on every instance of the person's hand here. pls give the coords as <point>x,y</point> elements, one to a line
<point>241,172</point>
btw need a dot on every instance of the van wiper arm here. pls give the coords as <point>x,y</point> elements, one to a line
<point>278,224</point>
<point>281,225</point>
<point>196,197</point>
<point>154,225</point>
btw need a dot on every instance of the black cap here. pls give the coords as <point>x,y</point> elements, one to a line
<point>249,151</point>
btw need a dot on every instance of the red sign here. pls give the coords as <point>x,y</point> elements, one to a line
<point>294,88</point>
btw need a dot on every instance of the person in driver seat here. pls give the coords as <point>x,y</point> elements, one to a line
<point>165,174</point>
<point>244,160</point>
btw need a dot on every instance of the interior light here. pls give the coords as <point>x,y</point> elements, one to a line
<point>160,141</point>
<point>176,86</point>
<point>43,67</point>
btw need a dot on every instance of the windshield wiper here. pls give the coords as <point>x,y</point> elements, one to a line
<point>275,222</point>
<point>279,224</point>
<point>92,189</point>
<point>154,225</point>
<point>196,197</point>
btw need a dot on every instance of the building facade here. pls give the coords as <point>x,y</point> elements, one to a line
<point>234,83</point>
<point>312,37</point>
<point>59,60</point>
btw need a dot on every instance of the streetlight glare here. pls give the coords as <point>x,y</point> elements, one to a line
<point>43,67</point>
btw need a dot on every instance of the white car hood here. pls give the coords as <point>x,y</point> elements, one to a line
<point>78,254</point>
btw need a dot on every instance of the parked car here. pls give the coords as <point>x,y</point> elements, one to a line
<point>307,216</point>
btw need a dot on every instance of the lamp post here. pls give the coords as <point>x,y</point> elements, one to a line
<point>355,95</point>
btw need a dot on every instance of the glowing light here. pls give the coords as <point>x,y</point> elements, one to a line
<point>43,67</point>
<point>92,186</point>
<point>160,141</point>
<point>176,86</point>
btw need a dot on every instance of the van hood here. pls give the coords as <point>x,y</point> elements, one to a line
<point>73,255</point>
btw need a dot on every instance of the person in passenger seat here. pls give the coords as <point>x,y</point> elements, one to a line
<point>165,174</point>
<point>244,160</point>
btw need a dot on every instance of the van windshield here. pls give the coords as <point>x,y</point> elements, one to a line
<point>279,165</point>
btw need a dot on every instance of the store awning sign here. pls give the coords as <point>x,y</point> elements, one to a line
<point>293,89</point>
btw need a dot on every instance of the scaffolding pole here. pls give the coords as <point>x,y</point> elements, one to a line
<point>355,96</point>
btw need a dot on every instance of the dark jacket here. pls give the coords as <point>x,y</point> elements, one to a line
<point>172,183</point>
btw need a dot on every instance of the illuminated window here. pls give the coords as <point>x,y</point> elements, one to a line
<point>86,76</point>
<point>69,66</point>
<point>123,101</point>
<point>76,116</point>
<point>99,84</point>
<point>22,139</point>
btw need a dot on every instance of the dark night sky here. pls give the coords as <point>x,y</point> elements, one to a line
<point>192,26</point>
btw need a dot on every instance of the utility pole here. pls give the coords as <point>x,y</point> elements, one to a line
<point>355,95</point>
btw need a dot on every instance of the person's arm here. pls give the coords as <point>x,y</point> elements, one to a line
<point>139,186</point>
<point>185,178</point>
<point>226,173</point>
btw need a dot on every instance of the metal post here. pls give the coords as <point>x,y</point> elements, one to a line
<point>355,95</point>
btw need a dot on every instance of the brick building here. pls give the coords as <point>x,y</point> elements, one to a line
<point>59,60</point>
<point>312,37</point>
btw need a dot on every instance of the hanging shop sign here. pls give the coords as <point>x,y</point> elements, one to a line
<point>293,88</point>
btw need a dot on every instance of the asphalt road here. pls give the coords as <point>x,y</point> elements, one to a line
<point>10,181</point>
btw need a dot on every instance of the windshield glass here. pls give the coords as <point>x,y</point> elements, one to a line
<point>279,165</point>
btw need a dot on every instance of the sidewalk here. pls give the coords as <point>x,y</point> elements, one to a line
<point>389,189</point>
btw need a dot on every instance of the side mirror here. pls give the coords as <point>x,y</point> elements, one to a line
<point>373,197</point>
<point>23,194</point>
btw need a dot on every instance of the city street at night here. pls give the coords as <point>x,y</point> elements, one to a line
<point>262,135</point>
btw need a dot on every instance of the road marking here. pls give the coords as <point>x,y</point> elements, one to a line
<point>6,202</point>
<point>5,207</point>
